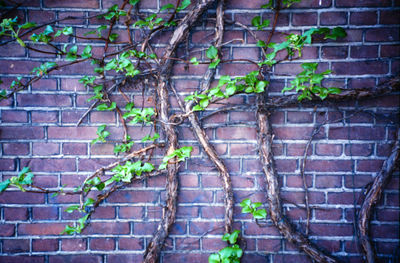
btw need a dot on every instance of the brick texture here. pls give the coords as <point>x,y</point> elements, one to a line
<point>37,128</point>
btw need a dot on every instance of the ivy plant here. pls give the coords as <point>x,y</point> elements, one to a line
<point>229,254</point>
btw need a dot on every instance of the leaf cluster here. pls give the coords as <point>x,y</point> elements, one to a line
<point>251,208</point>
<point>229,254</point>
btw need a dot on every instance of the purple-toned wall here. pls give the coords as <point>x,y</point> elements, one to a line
<point>37,129</point>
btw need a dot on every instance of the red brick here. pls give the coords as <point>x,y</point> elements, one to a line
<point>253,229</point>
<point>296,213</point>
<point>63,15</point>
<point>12,50</point>
<point>130,244</point>
<point>248,5</point>
<point>75,259</point>
<point>15,149</point>
<point>74,149</point>
<point>19,67</point>
<point>357,133</point>
<point>21,132</point>
<point>369,165</point>
<point>7,164</point>
<point>44,116</point>
<point>304,19</point>
<point>332,230</point>
<point>131,212</point>
<point>15,213</point>
<point>328,149</point>
<point>296,133</point>
<point>328,181</point>
<point>7,230</point>
<point>76,133</point>
<point>360,68</point>
<point>363,18</point>
<point>382,34</point>
<point>102,244</point>
<point>104,212</point>
<point>195,196</point>
<point>312,4</point>
<point>41,229</point>
<point>389,17</point>
<point>328,214</point>
<point>333,18</point>
<point>328,165</point>
<point>236,69</point>
<point>299,117</point>
<point>362,3</point>
<point>73,244</point>
<point>364,51</point>
<point>44,245</point>
<point>334,52</point>
<point>390,50</point>
<point>297,181</point>
<point>356,83</point>
<point>114,228</point>
<point>44,100</point>
<point>200,228</point>
<point>40,148</point>
<point>298,197</point>
<point>342,198</point>
<point>50,165</point>
<point>236,133</point>
<point>21,198</point>
<point>72,3</point>
<point>133,196</point>
<point>359,180</point>
<point>15,245</point>
<point>44,213</point>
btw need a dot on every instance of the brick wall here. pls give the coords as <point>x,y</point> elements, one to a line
<point>38,129</point>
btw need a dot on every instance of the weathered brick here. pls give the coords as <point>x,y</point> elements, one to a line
<point>15,213</point>
<point>15,246</point>
<point>72,3</point>
<point>304,19</point>
<point>360,68</point>
<point>364,52</point>
<point>102,244</point>
<point>74,244</point>
<point>44,245</point>
<point>50,229</point>
<point>363,18</point>
<point>328,149</point>
<point>44,100</point>
<point>333,18</point>
<point>75,258</point>
<point>50,165</point>
<point>22,132</point>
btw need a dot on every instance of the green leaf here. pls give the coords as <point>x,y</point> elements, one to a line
<point>134,2</point>
<point>27,25</point>
<point>197,108</point>
<point>113,37</point>
<point>212,52</point>
<point>260,86</point>
<point>333,90</point>
<point>214,258</point>
<point>214,64</point>
<point>260,214</point>
<point>245,202</point>
<point>71,208</point>
<point>48,30</point>
<point>256,21</point>
<point>87,52</point>
<point>184,5</point>
<point>167,6</point>
<point>261,43</point>
<point>194,61</point>
<point>233,237</point>
<point>256,205</point>
<point>246,210</point>
<point>69,230</point>
<point>4,185</point>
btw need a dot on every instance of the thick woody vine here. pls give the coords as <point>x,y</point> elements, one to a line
<point>137,64</point>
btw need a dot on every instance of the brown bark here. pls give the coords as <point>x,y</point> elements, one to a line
<point>169,211</point>
<point>346,95</point>
<point>372,198</point>
<point>203,139</point>
<point>265,138</point>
